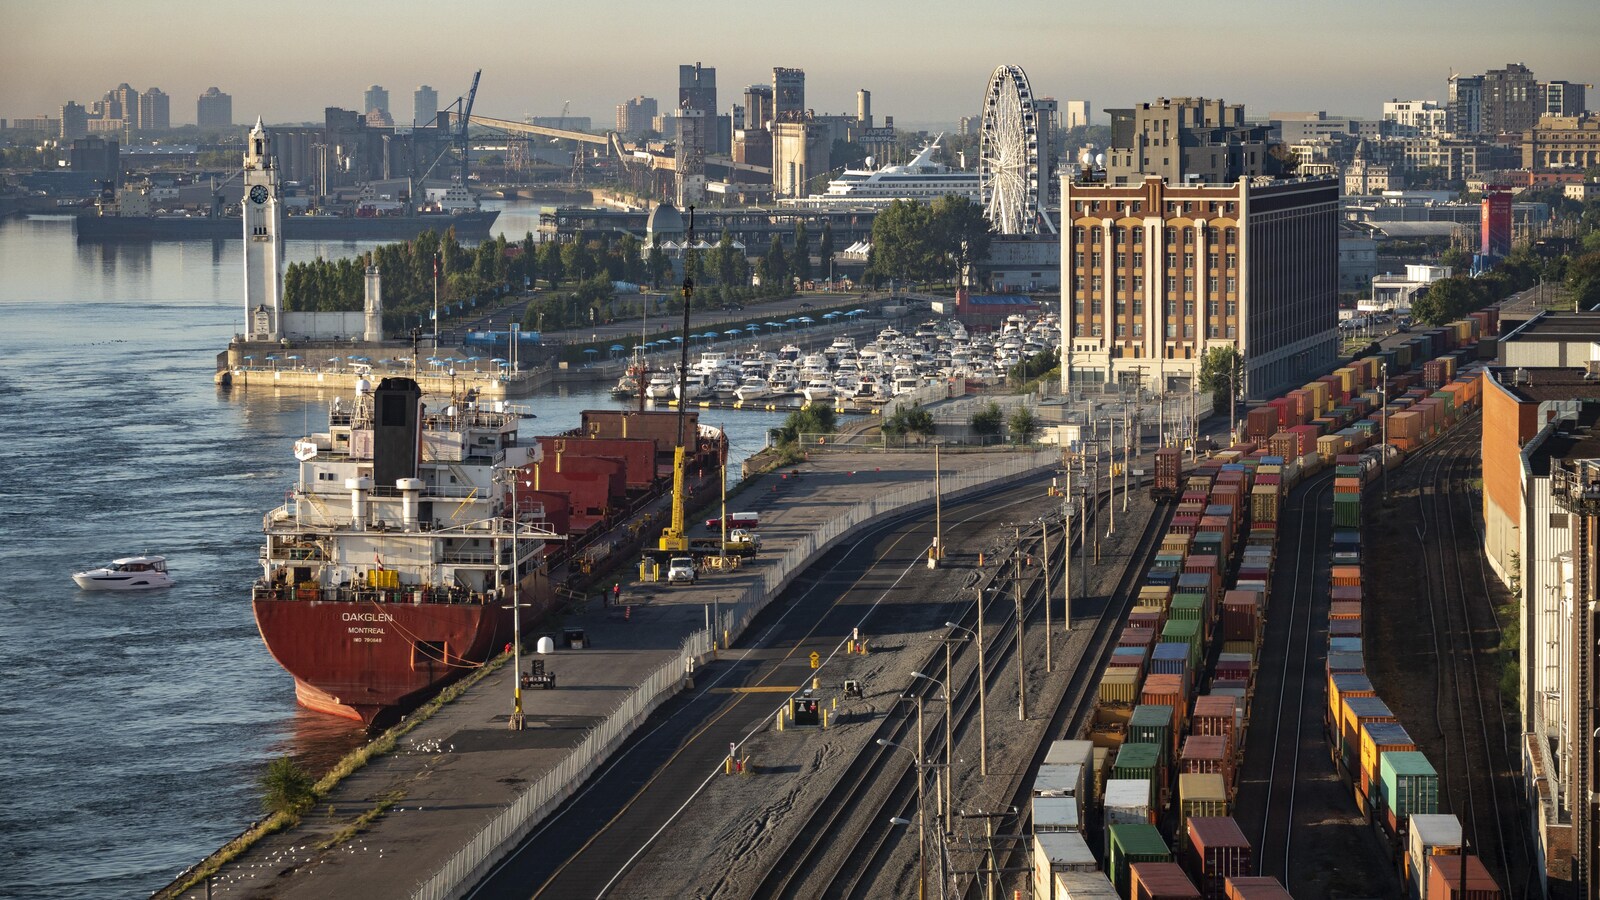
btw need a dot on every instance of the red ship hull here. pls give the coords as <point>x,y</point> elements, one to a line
<point>358,659</point>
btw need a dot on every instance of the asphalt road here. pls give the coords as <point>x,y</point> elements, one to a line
<point>590,842</point>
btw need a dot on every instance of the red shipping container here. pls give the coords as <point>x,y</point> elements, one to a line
<point>1344,609</point>
<point>1214,715</point>
<point>1344,628</point>
<point>1307,436</point>
<point>1231,668</point>
<point>1347,576</point>
<point>1151,620</point>
<point>1444,879</point>
<point>1215,851</point>
<point>1161,881</point>
<point>1168,690</point>
<point>1241,616</point>
<point>1207,754</point>
<point>1136,637</point>
<point>1349,592</point>
<point>1257,887</point>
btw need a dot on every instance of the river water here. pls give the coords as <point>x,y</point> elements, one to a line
<point>133,727</point>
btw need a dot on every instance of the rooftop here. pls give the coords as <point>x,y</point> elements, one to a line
<point>1539,384</point>
<point>1569,440</point>
<point>1565,327</point>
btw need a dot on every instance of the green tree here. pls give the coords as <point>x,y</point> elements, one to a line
<point>1445,300</point>
<point>633,266</point>
<point>988,421</point>
<point>1023,425</point>
<point>778,270</point>
<point>825,250</point>
<point>727,259</point>
<point>286,788</point>
<point>963,233</point>
<point>1221,373</point>
<point>901,248</point>
<point>552,264</point>
<point>909,420</point>
<point>578,259</point>
<point>658,264</point>
<point>802,252</point>
<point>809,419</point>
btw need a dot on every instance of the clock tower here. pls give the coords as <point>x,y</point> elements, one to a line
<point>263,239</point>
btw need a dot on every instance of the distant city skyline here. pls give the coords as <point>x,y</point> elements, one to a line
<point>921,69</point>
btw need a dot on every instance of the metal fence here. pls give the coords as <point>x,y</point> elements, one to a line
<point>506,830</point>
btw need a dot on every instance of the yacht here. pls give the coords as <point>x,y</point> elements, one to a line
<point>662,386</point>
<point>920,179</point>
<point>130,573</point>
<point>753,388</point>
<point>817,389</point>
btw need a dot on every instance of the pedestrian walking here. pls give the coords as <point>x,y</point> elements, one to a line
<point>616,593</point>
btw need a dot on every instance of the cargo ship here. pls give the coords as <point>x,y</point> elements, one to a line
<point>474,225</point>
<point>391,568</point>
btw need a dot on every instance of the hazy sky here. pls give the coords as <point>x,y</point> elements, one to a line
<point>925,62</point>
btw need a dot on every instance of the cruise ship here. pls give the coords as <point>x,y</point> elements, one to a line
<point>920,179</point>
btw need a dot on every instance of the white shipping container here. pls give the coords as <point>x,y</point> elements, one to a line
<point>1084,886</point>
<point>1430,835</point>
<point>1059,781</point>
<point>1057,814</point>
<point>1053,852</point>
<point>1064,753</point>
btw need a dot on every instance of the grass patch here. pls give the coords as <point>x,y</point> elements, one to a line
<point>363,820</point>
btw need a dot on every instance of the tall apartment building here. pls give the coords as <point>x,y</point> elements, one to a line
<point>1563,98</point>
<point>74,121</point>
<point>375,98</point>
<point>125,102</point>
<point>1185,138</point>
<point>1416,118</point>
<point>214,109</point>
<point>788,94</point>
<point>1510,100</point>
<point>697,132</point>
<point>1155,274</point>
<point>697,88</point>
<point>1076,114</point>
<point>155,110</point>
<point>424,106</point>
<point>634,116</point>
<point>1464,95</point>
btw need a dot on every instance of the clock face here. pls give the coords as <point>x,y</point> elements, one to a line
<point>258,193</point>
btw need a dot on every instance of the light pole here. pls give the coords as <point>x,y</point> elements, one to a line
<point>983,706</point>
<point>515,723</point>
<point>922,828</point>
<point>938,508</point>
<point>1044,547</point>
<point>949,727</point>
<point>1016,583</point>
<point>1383,392</point>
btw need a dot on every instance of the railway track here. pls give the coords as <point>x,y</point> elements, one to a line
<point>847,839</point>
<point>1478,761</point>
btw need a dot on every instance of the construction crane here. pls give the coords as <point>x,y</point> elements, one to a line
<point>458,139</point>
<point>675,537</point>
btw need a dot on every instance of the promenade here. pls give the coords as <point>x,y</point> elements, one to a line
<point>462,786</point>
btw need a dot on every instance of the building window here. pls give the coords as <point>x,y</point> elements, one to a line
<point>1188,329</point>
<point>1121,329</point>
<point>1138,233</point>
<point>1172,308</point>
<point>1094,259</point>
<point>1095,306</point>
<point>1231,235</point>
<point>1231,331</point>
<point>1172,330</point>
<point>1188,284</point>
<point>1097,284</point>
<point>1233,261</point>
<point>1213,330</point>
<point>1188,260</point>
<point>1138,329</point>
<point>1095,331</point>
<point>1212,234</point>
<point>1211,308</point>
<point>1077,282</point>
<point>1138,260</point>
<point>1094,235</point>
<point>1211,260</point>
<point>1138,284</point>
<point>1121,236</point>
<point>1211,284</point>
<point>1232,309</point>
<point>1122,285</point>
<point>1172,285</point>
<point>1188,307</point>
<point>1121,308</point>
<point>1077,234</point>
<point>1188,233</point>
<point>1172,235</point>
<point>1077,259</point>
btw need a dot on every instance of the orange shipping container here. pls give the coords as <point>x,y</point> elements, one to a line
<point>1347,576</point>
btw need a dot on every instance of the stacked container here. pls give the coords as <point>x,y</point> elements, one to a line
<point>1215,850</point>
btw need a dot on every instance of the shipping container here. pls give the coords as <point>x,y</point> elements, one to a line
<point>1257,887</point>
<point>1085,886</point>
<point>1129,801</point>
<point>1060,780</point>
<point>1445,881</point>
<point>1215,849</point>
<point>1168,472</point>
<point>1355,712</point>
<point>1156,722</point>
<point>1139,759</point>
<point>1201,795</point>
<point>1118,688</point>
<point>1058,851</point>
<point>1428,835</point>
<point>1129,844</point>
<point>1378,738</point>
<point>1407,785</point>
<point>1161,881</point>
<point>1057,814</point>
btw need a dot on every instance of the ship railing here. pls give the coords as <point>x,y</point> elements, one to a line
<point>513,823</point>
<point>346,593</point>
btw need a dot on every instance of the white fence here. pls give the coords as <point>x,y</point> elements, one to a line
<point>506,830</point>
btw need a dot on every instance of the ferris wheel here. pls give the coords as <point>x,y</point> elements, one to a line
<point>1008,153</point>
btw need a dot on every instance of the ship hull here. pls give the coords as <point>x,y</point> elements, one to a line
<point>361,660</point>
<point>474,226</point>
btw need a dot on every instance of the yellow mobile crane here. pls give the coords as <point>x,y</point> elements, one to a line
<point>675,537</point>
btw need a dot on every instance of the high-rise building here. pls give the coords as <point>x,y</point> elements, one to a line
<point>1156,273</point>
<point>74,121</point>
<point>1510,100</point>
<point>125,104</point>
<point>424,106</point>
<point>1465,99</point>
<point>1076,114</point>
<point>1186,139</point>
<point>1563,98</point>
<point>634,116</point>
<point>697,88</point>
<point>214,109</point>
<point>758,106</point>
<point>863,109</point>
<point>788,94</point>
<point>98,157</point>
<point>376,98</point>
<point>155,110</point>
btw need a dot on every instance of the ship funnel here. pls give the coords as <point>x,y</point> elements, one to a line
<point>410,490</point>
<point>358,501</point>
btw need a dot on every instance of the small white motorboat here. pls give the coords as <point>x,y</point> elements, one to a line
<point>131,573</point>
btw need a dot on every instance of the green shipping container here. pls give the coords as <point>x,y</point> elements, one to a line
<point>1151,724</point>
<point>1182,632</point>
<point>1407,784</point>
<point>1187,606</point>
<point>1169,561</point>
<point>1347,513</point>
<point>1132,844</point>
<point>1141,760</point>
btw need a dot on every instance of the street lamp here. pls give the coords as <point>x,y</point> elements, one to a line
<point>938,511</point>
<point>983,706</point>
<point>515,723</point>
<point>1022,676</point>
<point>922,830</point>
<point>949,716</point>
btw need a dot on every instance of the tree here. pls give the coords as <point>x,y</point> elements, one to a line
<point>1445,300</point>
<point>988,421</point>
<point>909,420</point>
<point>726,260</point>
<point>809,419</point>
<point>963,232</point>
<point>1023,425</point>
<point>901,248</point>
<point>552,265</point>
<point>802,252</point>
<point>1221,371</point>
<point>777,263</point>
<point>658,264</point>
<point>825,249</point>
<point>286,788</point>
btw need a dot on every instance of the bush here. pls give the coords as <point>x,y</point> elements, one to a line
<point>1023,425</point>
<point>286,788</point>
<point>988,421</point>
<point>808,419</point>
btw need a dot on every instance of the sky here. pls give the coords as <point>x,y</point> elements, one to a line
<point>926,63</point>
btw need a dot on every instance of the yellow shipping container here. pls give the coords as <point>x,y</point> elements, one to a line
<point>1347,379</point>
<point>1201,794</point>
<point>1118,688</point>
<point>1330,445</point>
<point>1176,543</point>
<point>1158,597</point>
<point>1319,396</point>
